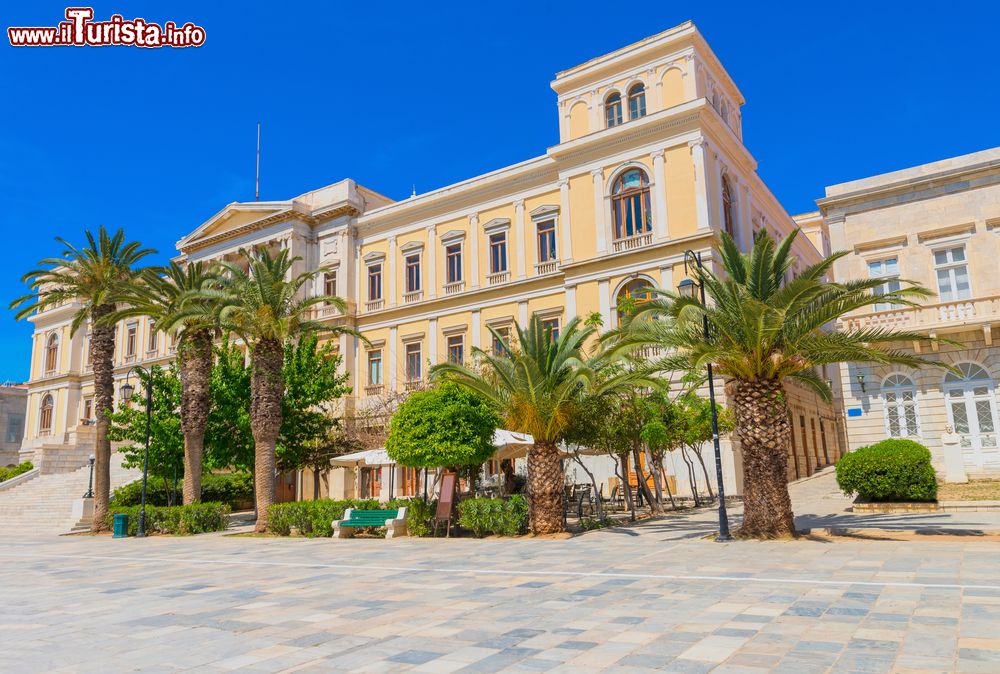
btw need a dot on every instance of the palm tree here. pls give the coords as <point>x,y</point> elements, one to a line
<point>764,331</point>
<point>170,297</point>
<point>91,276</point>
<point>264,305</point>
<point>537,387</point>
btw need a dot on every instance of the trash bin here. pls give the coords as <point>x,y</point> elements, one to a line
<point>121,525</point>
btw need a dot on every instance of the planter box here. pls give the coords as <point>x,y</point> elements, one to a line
<point>887,507</point>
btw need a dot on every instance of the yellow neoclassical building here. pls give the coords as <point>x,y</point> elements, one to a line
<point>650,161</point>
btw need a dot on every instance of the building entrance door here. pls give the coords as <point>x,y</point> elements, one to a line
<point>972,411</point>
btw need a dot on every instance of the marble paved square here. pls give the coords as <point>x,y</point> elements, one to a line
<point>624,600</point>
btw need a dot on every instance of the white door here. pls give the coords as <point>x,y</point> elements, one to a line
<point>972,411</point>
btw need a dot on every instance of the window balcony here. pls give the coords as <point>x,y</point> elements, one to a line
<point>129,358</point>
<point>413,296</point>
<point>374,305</point>
<point>547,267</point>
<point>633,242</point>
<point>941,316</point>
<point>374,389</point>
<point>152,353</point>
<point>413,385</point>
<point>454,288</point>
<point>498,278</point>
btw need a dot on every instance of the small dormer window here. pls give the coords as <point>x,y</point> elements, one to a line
<point>637,101</point>
<point>613,109</point>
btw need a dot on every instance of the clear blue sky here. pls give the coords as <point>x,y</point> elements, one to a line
<point>394,94</point>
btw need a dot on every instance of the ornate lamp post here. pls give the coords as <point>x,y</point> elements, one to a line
<point>90,482</point>
<point>127,390</point>
<point>688,288</point>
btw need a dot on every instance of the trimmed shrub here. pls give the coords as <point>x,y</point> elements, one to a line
<point>197,518</point>
<point>891,470</point>
<point>503,517</point>
<point>315,518</point>
<point>14,471</point>
<point>233,489</point>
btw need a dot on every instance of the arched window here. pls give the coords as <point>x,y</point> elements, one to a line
<point>632,294</point>
<point>630,204</point>
<point>727,207</point>
<point>899,395</point>
<point>970,373</point>
<point>613,109</point>
<point>51,353</point>
<point>45,416</point>
<point>637,101</point>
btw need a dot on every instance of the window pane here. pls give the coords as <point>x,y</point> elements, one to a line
<point>941,257</point>
<point>957,254</point>
<point>944,284</point>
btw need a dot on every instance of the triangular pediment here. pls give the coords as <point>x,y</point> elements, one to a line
<point>234,217</point>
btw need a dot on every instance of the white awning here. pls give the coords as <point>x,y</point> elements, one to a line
<point>369,457</point>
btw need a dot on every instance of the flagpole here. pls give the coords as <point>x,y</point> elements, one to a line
<point>257,178</point>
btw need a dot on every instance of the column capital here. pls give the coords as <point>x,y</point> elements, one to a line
<point>698,142</point>
<point>431,229</point>
<point>474,218</point>
<point>563,183</point>
<point>519,203</point>
<point>597,173</point>
<point>392,240</point>
<point>657,154</point>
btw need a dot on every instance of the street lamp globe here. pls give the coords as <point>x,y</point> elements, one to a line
<point>687,288</point>
<point>127,390</point>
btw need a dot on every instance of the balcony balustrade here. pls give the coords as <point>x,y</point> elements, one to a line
<point>374,305</point>
<point>942,316</point>
<point>412,296</point>
<point>633,242</point>
<point>547,267</point>
<point>498,278</point>
<point>454,288</point>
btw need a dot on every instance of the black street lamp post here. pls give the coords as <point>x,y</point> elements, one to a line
<point>127,390</point>
<point>687,288</point>
<point>90,482</point>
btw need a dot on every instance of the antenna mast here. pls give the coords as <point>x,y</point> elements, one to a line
<point>257,179</point>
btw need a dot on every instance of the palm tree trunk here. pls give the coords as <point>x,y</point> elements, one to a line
<point>545,486</point>
<point>102,353</point>
<point>195,370</point>
<point>761,410</point>
<point>266,391</point>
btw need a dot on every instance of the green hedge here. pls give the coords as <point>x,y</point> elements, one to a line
<point>503,517</point>
<point>14,471</point>
<point>891,470</point>
<point>233,489</point>
<point>315,518</point>
<point>197,518</point>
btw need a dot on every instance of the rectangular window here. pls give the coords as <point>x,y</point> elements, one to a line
<point>374,282</point>
<point>15,427</point>
<point>375,367</point>
<point>88,408</point>
<point>887,269</point>
<point>330,283</point>
<point>453,258</point>
<point>412,273</point>
<point>547,241</point>
<point>498,253</point>
<point>152,341</point>
<point>456,349</point>
<point>413,362</point>
<point>552,325</point>
<point>952,271</point>
<point>130,332</point>
<point>501,345</point>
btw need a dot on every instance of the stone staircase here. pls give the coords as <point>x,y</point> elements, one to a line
<point>43,506</point>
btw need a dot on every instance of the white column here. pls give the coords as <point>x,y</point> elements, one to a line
<point>392,273</point>
<point>690,79</point>
<point>716,191</point>
<point>602,239</point>
<point>660,194</point>
<point>570,302</point>
<point>522,313</point>
<point>604,299</point>
<point>430,281</point>
<point>432,340</point>
<point>477,331</point>
<point>566,231</point>
<point>358,273</point>
<point>594,109</point>
<point>392,367</point>
<point>473,252</point>
<point>700,184</point>
<point>746,226</point>
<point>519,236</point>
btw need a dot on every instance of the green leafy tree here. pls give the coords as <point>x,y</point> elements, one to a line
<point>764,331</point>
<point>446,426</point>
<point>229,439</point>
<point>693,422</point>
<point>312,386</point>
<point>169,296</point>
<point>265,303</point>
<point>166,441</point>
<point>91,276</point>
<point>536,387</point>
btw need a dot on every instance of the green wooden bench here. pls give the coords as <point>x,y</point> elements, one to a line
<point>394,522</point>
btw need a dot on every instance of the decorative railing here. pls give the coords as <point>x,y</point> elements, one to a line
<point>454,288</point>
<point>374,305</point>
<point>547,267</point>
<point>413,385</point>
<point>412,296</point>
<point>633,242</point>
<point>497,278</point>
<point>374,389</point>
<point>928,317</point>
<point>129,358</point>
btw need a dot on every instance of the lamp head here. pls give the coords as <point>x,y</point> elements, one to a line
<point>687,288</point>
<point>127,390</point>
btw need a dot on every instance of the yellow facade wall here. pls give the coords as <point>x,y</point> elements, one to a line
<point>679,172</point>
<point>672,88</point>
<point>579,120</point>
